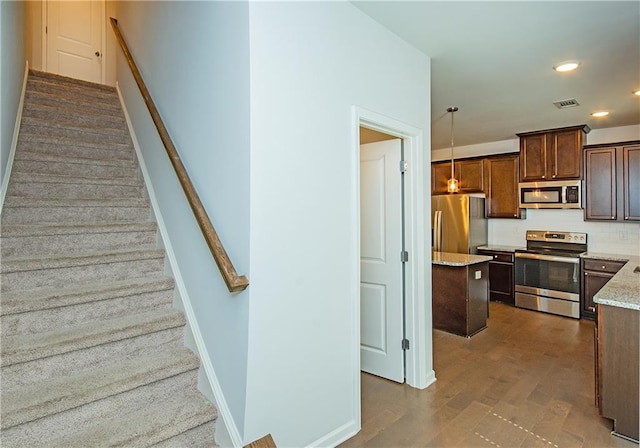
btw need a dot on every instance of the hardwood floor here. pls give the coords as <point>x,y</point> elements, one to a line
<point>525,381</point>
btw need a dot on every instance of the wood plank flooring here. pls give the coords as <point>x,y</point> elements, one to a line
<point>525,381</point>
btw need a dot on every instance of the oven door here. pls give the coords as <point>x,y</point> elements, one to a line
<point>548,275</point>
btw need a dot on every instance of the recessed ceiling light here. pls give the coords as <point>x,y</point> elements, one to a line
<point>602,113</point>
<point>566,66</point>
<point>637,92</point>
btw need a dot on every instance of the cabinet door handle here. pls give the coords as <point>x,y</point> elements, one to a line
<point>604,267</point>
<point>586,273</point>
<point>592,308</point>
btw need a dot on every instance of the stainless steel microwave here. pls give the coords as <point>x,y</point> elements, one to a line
<point>552,194</point>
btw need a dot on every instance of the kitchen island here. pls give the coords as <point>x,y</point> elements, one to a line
<point>460,290</point>
<point>618,346</point>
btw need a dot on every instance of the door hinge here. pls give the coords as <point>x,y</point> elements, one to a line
<point>46,30</point>
<point>404,166</point>
<point>404,256</point>
<point>405,344</point>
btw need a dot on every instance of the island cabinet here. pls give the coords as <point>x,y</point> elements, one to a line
<point>460,293</point>
<point>612,190</point>
<point>554,154</point>
<point>469,172</point>
<point>596,273</point>
<point>501,275</point>
<point>501,186</point>
<point>617,346</point>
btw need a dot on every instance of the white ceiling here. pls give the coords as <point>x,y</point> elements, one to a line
<point>493,60</point>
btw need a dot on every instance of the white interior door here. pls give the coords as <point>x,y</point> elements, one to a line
<point>381,308</point>
<point>74,39</point>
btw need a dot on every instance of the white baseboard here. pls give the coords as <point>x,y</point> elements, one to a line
<point>14,141</point>
<point>227,434</point>
<point>336,437</point>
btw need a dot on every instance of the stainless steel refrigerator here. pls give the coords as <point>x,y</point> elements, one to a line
<point>458,223</point>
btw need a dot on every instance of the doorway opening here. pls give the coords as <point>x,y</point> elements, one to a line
<point>418,358</point>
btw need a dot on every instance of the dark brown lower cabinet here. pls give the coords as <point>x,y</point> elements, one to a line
<point>501,276</point>
<point>460,304</point>
<point>595,274</point>
<point>617,368</point>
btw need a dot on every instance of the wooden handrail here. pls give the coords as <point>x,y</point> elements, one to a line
<point>234,281</point>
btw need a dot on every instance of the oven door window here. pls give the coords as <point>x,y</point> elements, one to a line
<point>553,275</point>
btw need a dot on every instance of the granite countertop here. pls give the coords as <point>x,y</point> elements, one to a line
<point>451,259</point>
<point>623,290</point>
<point>499,248</point>
<point>603,256</point>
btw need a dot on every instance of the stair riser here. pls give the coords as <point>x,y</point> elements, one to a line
<point>72,94</point>
<point>74,215</point>
<point>76,243</point>
<point>203,437</point>
<point>73,169</point>
<point>90,358</point>
<point>90,123</point>
<point>77,275</point>
<point>96,136</point>
<point>39,432</point>
<point>38,98</point>
<point>44,77</point>
<point>70,90</point>
<point>66,317</point>
<point>65,115</point>
<point>111,152</point>
<point>74,191</point>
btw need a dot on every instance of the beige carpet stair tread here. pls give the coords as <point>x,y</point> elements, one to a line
<point>57,395</point>
<point>61,179</point>
<point>161,421</point>
<point>33,142</point>
<point>37,156</point>
<point>35,202</point>
<point>24,301</point>
<point>58,261</point>
<point>17,230</point>
<point>16,349</point>
<point>72,123</point>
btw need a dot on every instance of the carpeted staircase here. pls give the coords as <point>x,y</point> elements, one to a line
<point>92,349</point>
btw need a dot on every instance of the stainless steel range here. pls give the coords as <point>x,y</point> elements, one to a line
<point>548,272</point>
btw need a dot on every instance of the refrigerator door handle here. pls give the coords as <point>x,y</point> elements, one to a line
<point>437,230</point>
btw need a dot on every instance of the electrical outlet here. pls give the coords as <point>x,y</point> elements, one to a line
<point>478,275</point>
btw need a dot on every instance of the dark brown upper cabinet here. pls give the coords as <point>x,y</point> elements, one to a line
<point>554,154</point>
<point>612,188</point>
<point>501,186</point>
<point>470,175</point>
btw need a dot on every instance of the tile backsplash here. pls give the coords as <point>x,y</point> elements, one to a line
<point>602,237</point>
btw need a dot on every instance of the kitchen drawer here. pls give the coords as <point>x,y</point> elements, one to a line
<point>603,265</point>
<point>505,257</point>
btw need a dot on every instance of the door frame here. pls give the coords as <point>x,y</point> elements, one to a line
<point>103,37</point>
<point>419,358</point>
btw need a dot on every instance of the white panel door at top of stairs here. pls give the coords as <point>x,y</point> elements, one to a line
<point>381,304</point>
<point>74,39</point>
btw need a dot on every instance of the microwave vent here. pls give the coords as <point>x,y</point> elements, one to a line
<point>563,104</point>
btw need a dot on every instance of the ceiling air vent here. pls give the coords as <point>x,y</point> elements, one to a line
<point>563,104</point>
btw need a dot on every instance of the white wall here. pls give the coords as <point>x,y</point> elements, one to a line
<point>194,57</point>
<point>12,66</point>
<point>605,237</point>
<point>310,63</point>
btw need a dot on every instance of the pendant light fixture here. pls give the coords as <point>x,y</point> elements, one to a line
<point>452,183</point>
